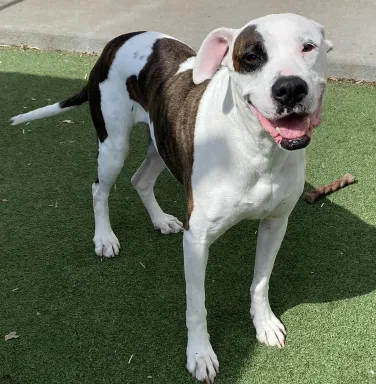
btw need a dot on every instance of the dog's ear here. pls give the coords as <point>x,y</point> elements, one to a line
<point>211,54</point>
<point>329,45</point>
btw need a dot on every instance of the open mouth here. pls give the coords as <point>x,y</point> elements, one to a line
<point>293,131</point>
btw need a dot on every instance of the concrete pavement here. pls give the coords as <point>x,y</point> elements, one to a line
<point>86,25</point>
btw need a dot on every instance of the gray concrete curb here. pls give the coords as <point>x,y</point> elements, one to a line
<point>87,25</point>
<point>359,69</point>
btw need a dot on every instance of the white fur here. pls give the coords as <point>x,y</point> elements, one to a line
<point>239,172</point>
<point>143,181</point>
<point>116,108</point>
<point>186,65</point>
<point>40,113</point>
<point>286,58</point>
<point>253,177</point>
<point>140,47</point>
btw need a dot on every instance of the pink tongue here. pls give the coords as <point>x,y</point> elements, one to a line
<point>292,127</point>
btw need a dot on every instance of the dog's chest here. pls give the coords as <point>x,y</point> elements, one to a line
<point>260,190</point>
<point>271,195</point>
<point>237,177</point>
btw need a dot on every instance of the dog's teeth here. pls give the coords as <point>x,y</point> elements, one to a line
<point>308,122</point>
<point>278,130</point>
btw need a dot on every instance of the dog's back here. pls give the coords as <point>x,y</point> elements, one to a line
<point>157,72</point>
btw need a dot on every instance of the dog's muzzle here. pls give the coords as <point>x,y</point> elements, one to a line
<point>289,91</point>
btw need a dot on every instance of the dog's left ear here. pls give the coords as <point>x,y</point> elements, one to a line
<point>328,43</point>
<point>212,53</point>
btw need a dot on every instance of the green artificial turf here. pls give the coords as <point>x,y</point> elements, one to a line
<point>84,320</point>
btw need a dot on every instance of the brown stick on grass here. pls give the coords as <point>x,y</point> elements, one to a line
<point>326,190</point>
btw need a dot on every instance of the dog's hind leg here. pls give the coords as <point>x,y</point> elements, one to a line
<point>111,112</point>
<point>143,181</point>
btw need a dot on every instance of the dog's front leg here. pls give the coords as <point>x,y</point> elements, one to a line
<point>269,330</point>
<point>202,362</point>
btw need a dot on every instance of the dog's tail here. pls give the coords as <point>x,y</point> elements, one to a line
<point>53,109</point>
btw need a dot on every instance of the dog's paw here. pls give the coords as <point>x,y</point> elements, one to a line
<point>202,362</point>
<point>167,224</point>
<point>106,244</point>
<point>269,330</point>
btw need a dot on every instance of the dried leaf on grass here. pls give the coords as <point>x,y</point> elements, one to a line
<point>11,335</point>
<point>66,141</point>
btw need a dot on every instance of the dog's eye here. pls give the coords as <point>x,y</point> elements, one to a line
<point>308,47</point>
<point>251,58</point>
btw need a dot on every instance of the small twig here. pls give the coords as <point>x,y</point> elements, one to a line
<point>142,264</point>
<point>326,190</point>
<point>130,359</point>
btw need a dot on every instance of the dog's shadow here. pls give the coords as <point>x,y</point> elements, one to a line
<point>123,320</point>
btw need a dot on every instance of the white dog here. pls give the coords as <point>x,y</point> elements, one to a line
<point>230,123</point>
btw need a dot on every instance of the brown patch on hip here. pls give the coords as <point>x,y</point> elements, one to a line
<point>99,74</point>
<point>134,91</point>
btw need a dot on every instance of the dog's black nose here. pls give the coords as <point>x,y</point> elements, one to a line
<point>289,90</point>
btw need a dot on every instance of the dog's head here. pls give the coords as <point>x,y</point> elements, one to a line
<point>279,67</point>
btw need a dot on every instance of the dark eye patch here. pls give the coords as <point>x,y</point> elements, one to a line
<point>249,52</point>
<point>254,58</point>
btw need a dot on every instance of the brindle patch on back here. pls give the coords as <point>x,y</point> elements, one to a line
<point>99,74</point>
<point>249,53</point>
<point>172,101</point>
